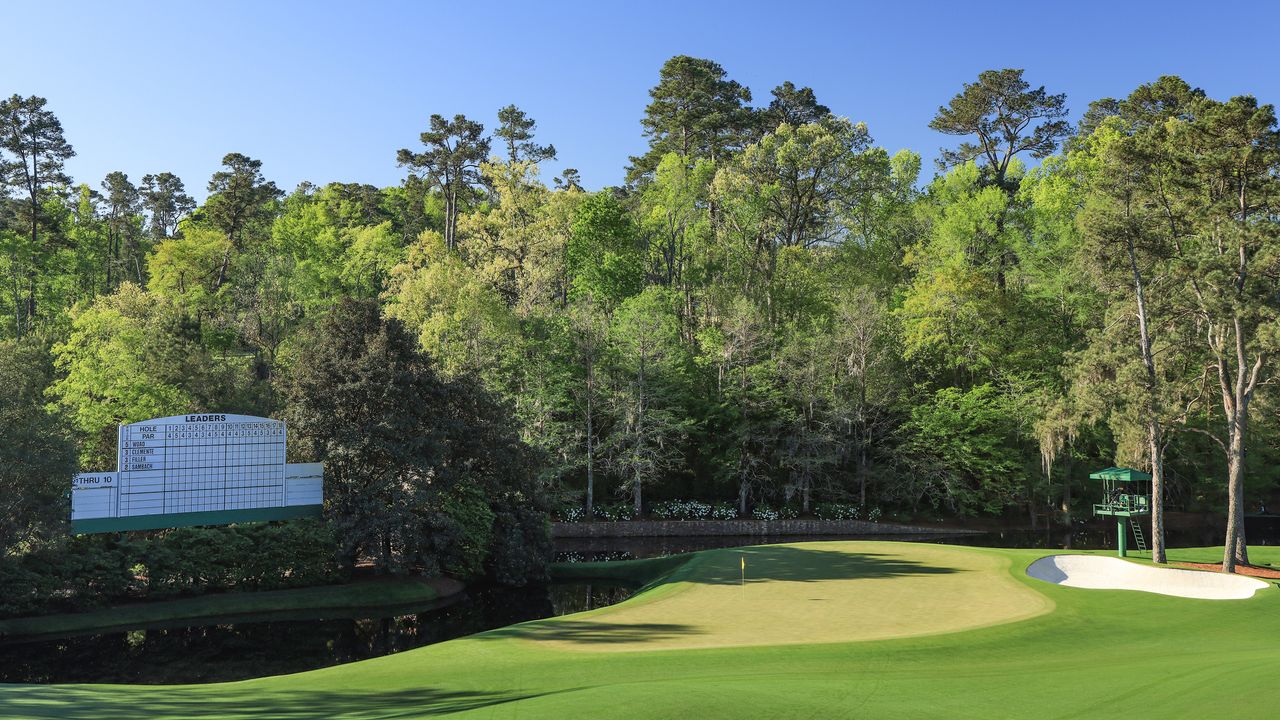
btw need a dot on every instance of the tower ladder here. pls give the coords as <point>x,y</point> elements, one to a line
<point>1137,535</point>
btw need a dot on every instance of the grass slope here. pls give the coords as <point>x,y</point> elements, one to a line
<point>382,592</point>
<point>1096,654</point>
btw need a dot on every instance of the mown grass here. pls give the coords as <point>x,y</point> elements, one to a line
<point>1095,654</point>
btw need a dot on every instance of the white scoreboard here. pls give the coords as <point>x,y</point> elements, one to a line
<point>204,469</point>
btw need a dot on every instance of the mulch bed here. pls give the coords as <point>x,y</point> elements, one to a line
<point>1265,571</point>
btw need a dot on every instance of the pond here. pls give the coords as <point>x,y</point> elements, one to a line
<point>232,650</point>
<point>1083,536</point>
<point>241,650</point>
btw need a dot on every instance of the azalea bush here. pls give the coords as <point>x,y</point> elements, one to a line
<point>572,513</point>
<point>615,512</point>
<point>681,510</point>
<point>837,511</point>
<point>765,512</point>
<point>724,511</point>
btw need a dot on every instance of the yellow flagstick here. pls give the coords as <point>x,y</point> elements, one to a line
<point>744,573</point>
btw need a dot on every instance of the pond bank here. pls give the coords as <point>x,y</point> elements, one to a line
<point>763,528</point>
<point>334,600</point>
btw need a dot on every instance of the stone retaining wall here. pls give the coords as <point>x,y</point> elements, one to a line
<point>693,528</point>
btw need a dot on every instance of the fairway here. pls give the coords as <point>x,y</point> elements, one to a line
<point>1075,653</point>
<point>806,593</point>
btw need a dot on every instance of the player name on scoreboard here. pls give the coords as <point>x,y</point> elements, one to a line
<point>203,469</point>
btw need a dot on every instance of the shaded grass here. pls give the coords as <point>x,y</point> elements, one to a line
<point>638,573</point>
<point>1098,653</point>
<point>341,600</point>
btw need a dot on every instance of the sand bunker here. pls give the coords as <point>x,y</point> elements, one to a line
<point>1110,573</point>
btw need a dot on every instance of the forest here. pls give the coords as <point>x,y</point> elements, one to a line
<point>771,311</point>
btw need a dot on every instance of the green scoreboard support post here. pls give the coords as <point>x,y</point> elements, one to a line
<point>1126,494</point>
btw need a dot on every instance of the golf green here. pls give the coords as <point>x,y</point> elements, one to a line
<point>819,630</point>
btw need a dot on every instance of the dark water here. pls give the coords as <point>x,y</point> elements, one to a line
<point>240,650</point>
<point>1084,536</point>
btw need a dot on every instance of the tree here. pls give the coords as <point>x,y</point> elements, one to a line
<point>807,176</point>
<point>454,150</point>
<point>673,214</point>
<point>419,472</point>
<point>240,199</point>
<point>647,367</point>
<point>365,401</point>
<point>959,453</point>
<point>1007,116</point>
<point>37,151</point>
<point>124,228</point>
<point>793,189</point>
<point>696,112</point>
<point>603,256</point>
<point>129,357</point>
<point>958,307</point>
<point>570,179</point>
<point>1228,198</point>
<point>588,328</point>
<point>37,455</point>
<point>516,128</point>
<point>1129,241</point>
<point>860,346</point>
<point>165,199</point>
<point>184,269</point>
<point>741,349</point>
<point>458,317</point>
<point>518,244</point>
<point>793,106</point>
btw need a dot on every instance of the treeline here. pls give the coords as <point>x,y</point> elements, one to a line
<point>772,308</point>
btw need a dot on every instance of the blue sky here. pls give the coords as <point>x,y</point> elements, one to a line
<point>326,92</point>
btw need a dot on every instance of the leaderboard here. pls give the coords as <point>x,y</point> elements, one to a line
<point>203,469</point>
<point>201,463</point>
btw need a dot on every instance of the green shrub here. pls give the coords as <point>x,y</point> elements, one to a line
<point>521,551</point>
<point>91,571</point>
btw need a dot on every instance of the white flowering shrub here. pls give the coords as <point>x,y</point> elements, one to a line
<point>724,511</point>
<point>681,510</point>
<point>765,512</point>
<point>615,512</point>
<point>837,511</point>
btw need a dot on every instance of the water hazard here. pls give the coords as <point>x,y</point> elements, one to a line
<point>239,650</point>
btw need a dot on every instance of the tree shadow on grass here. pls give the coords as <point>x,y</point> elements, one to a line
<point>592,632</point>
<point>800,564</point>
<point>85,703</point>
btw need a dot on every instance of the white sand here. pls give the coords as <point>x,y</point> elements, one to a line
<point>1099,572</point>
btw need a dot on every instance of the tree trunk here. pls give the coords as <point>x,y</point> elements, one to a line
<point>591,470</point>
<point>1156,446</point>
<point>862,475</point>
<point>1235,551</point>
<point>222,271</point>
<point>639,501</point>
<point>1152,411</point>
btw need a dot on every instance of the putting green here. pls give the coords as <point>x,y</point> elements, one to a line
<point>806,593</point>
<point>1094,654</point>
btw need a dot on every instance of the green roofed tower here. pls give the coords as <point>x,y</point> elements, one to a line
<point>1126,494</point>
